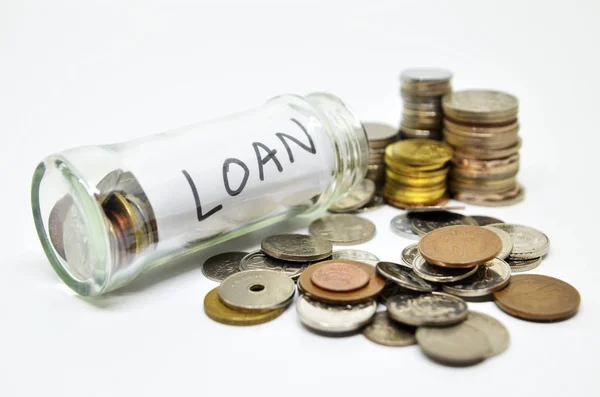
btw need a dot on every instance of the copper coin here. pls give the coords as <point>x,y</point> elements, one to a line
<point>340,277</point>
<point>460,246</point>
<point>370,290</point>
<point>538,298</point>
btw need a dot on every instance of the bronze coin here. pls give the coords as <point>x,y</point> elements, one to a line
<point>460,246</point>
<point>340,277</point>
<point>370,290</point>
<point>538,298</point>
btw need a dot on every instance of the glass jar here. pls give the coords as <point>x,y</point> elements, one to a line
<point>105,214</point>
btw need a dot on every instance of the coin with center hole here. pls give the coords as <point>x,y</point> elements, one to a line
<point>485,220</point>
<point>339,277</point>
<point>334,318</point>
<point>216,310</point>
<point>427,310</point>
<point>538,298</point>
<point>423,223</point>
<point>257,290</point>
<point>439,274</point>
<point>459,246</point>
<point>355,255</point>
<point>409,253</point>
<point>528,243</point>
<point>401,225</point>
<point>369,291</point>
<point>460,344</point>
<point>523,266</point>
<point>403,276</point>
<point>296,247</point>
<point>359,196</point>
<point>343,229</point>
<point>221,266</point>
<point>384,331</point>
<point>490,276</point>
<point>507,242</point>
<point>258,260</point>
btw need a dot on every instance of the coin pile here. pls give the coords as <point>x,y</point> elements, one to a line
<point>482,127</point>
<point>416,173</point>
<point>527,248</point>
<point>421,90</point>
<point>379,136</point>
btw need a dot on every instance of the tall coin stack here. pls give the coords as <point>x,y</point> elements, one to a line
<point>482,127</point>
<point>422,90</point>
<point>416,173</point>
<point>379,136</point>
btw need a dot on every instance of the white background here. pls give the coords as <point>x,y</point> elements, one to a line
<point>81,72</point>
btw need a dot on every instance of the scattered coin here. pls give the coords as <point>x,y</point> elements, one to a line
<point>384,331</point>
<point>343,229</point>
<point>258,260</point>
<point>359,196</point>
<point>485,220</point>
<point>355,255</point>
<point>370,291</point>
<point>528,243</point>
<point>427,310</point>
<point>538,298</point>
<point>435,208</point>
<point>403,276</point>
<point>524,265</point>
<point>392,289</point>
<point>409,253</point>
<point>507,242</point>
<point>490,277</point>
<point>334,318</point>
<point>458,345</point>
<point>426,222</point>
<point>296,247</point>
<point>216,310</point>
<point>459,246</point>
<point>496,332</point>
<point>439,274</point>
<point>257,290</point>
<point>339,276</point>
<point>221,266</point>
<point>401,225</point>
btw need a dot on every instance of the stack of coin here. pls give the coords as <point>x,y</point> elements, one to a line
<point>379,136</point>
<point>416,173</point>
<point>482,127</point>
<point>421,90</point>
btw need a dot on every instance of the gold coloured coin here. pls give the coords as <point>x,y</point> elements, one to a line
<point>419,174</point>
<point>399,166</point>
<point>133,226</point>
<point>413,206</point>
<point>412,197</point>
<point>415,181</point>
<point>216,310</point>
<point>419,151</point>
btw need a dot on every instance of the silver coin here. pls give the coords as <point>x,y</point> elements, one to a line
<point>384,331</point>
<point>332,318</point>
<point>359,196</point>
<point>507,241</point>
<point>356,255</point>
<point>296,247</point>
<point>427,310</point>
<point>76,245</point>
<point>523,266</point>
<point>258,260</point>
<point>409,253</point>
<point>496,332</point>
<point>528,243</point>
<point>425,75</point>
<point>490,276</point>
<point>375,203</point>
<point>438,274</point>
<point>257,290</point>
<point>403,276</point>
<point>221,266</point>
<point>435,208</point>
<point>459,344</point>
<point>393,289</point>
<point>402,226</point>
<point>343,229</point>
<point>107,185</point>
<point>380,132</point>
<point>485,220</point>
<point>423,223</point>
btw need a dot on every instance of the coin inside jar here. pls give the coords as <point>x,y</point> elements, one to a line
<point>357,197</point>
<point>340,277</point>
<point>459,246</point>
